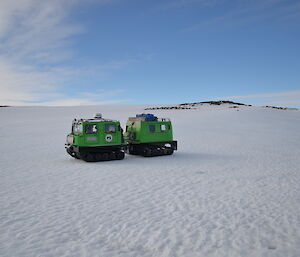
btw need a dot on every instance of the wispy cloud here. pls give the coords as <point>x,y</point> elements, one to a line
<point>35,40</point>
<point>243,12</point>
<point>36,30</point>
<point>165,5</point>
<point>84,98</point>
<point>81,102</point>
<point>284,98</point>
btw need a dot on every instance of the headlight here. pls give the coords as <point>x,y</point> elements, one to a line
<point>70,139</point>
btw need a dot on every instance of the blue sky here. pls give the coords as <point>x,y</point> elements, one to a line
<point>72,52</point>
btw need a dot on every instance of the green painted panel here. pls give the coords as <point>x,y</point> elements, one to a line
<point>148,131</point>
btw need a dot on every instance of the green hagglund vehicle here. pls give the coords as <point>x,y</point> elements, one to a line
<point>96,139</point>
<point>148,135</point>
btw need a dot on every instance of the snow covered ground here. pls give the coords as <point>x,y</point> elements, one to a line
<point>231,189</point>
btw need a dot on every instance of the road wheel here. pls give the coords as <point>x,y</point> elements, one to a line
<point>155,152</point>
<point>105,157</point>
<point>165,151</point>
<point>132,150</point>
<point>88,157</point>
<point>147,152</point>
<point>112,156</point>
<point>120,155</point>
<point>98,157</point>
<point>170,151</point>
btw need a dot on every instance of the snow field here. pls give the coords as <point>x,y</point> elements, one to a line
<point>231,189</point>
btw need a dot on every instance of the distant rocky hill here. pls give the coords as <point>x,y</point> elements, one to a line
<point>194,105</point>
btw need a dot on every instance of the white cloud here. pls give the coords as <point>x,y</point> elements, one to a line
<point>24,85</point>
<point>80,101</point>
<point>285,98</point>
<point>34,38</point>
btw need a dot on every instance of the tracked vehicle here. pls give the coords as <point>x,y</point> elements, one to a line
<point>96,139</point>
<point>148,136</point>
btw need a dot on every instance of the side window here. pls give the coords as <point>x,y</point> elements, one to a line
<point>163,128</point>
<point>110,128</point>
<point>152,128</point>
<point>91,129</point>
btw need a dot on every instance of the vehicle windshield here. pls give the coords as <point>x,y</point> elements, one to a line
<point>77,128</point>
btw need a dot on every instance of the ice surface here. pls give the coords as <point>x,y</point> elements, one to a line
<point>231,189</point>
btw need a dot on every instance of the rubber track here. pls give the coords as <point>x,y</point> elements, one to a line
<point>106,156</point>
<point>148,152</point>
